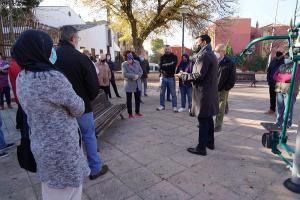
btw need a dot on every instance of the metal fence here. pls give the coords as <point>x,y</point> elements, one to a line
<point>20,25</point>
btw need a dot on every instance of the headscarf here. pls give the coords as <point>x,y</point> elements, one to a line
<point>32,51</point>
<point>130,57</point>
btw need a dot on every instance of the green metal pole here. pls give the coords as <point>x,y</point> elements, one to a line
<point>287,108</point>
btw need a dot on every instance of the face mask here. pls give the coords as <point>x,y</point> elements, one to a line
<point>53,56</point>
<point>287,61</point>
<point>217,55</point>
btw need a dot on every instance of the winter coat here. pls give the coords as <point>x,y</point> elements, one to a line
<point>146,68</point>
<point>205,83</point>
<point>52,106</point>
<point>226,69</point>
<point>80,71</point>
<point>129,72</point>
<point>104,74</point>
<point>185,67</point>
<point>111,65</point>
<point>13,72</point>
<point>273,67</point>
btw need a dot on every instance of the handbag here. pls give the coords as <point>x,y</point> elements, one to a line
<point>25,156</point>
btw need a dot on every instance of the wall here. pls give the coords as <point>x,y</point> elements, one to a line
<point>95,37</point>
<point>236,31</point>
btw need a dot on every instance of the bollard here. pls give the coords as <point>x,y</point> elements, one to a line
<point>293,184</point>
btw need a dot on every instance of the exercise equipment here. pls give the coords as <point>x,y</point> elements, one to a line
<point>276,138</point>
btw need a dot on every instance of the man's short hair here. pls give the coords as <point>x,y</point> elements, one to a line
<point>67,32</point>
<point>205,38</point>
<point>125,54</point>
<point>279,53</point>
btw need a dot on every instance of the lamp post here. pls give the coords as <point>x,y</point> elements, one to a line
<point>183,11</point>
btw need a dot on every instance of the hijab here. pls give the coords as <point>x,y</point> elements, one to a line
<point>32,51</point>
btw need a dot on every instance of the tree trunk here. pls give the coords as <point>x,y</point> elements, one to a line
<point>138,45</point>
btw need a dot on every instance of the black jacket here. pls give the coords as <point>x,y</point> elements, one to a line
<point>226,69</point>
<point>273,67</point>
<point>112,69</point>
<point>146,68</point>
<point>80,71</point>
<point>168,70</point>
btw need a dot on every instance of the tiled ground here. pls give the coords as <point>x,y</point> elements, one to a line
<point>148,159</point>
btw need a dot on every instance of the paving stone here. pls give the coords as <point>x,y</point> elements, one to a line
<point>23,194</point>
<point>145,157</point>
<point>109,189</point>
<point>190,182</point>
<point>139,179</point>
<point>12,183</point>
<point>122,165</point>
<point>135,197</point>
<point>165,168</point>
<point>186,159</point>
<point>164,191</point>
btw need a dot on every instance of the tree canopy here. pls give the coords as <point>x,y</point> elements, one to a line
<point>136,20</point>
<point>19,6</point>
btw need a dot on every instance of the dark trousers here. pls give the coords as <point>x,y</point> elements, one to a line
<point>137,98</point>
<point>272,97</point>
<point>24,125</point>
<point>19,117</point>
<point>206,132</point>
<point>6,92</point>
<point>106,90</point>
<point>114,85</point>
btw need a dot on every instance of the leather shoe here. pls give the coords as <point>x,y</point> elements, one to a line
<point>195,151</point>
<point>211,146</point>
<point>103,171</point>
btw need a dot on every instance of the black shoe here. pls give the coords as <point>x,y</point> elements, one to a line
<point>103,171</point>
<point>145,95</point>
<point>8,146</point>
<point>218,129</point>
<point>211,146</point>
<point>119,96</point>
<point>195,151</point>
<point>3,154</point>
<point>169,100</point>
<point>142,102</point>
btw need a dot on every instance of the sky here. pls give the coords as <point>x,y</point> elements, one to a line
<point>262,11</point>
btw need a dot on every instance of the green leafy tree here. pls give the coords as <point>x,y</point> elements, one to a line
<point>17,7</point>
<point>157,45</point>
<point>137,19</point>
<point>229,50</point>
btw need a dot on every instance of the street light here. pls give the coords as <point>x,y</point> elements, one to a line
<point>183,11</point>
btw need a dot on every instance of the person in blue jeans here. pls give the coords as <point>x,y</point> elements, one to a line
<point>283,78</point>
<point>186,88</point>
<point>3,145</point>
<point>81,72</point>
<point>168,63</point>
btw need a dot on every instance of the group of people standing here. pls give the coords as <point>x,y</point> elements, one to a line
<point>204,81</point>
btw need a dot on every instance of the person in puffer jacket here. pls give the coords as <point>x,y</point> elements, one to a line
<point>283,77</point>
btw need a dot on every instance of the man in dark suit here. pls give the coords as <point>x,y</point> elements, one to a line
<point>205,93</point>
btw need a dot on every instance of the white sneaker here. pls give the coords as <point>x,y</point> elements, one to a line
<point>182,110</point>
<point>175,109</point>
<point>160,108</point>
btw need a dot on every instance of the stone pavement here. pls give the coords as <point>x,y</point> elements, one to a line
<point>148,158</point>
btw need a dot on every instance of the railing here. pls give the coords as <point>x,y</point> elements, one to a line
<point>20,25</point>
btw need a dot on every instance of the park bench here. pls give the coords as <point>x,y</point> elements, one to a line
<point>246,77</point>
<point>105,113</point>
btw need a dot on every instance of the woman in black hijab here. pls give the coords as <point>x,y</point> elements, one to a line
<point>51,106</point>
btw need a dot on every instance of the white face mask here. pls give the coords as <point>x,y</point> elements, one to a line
<point>217,55</point>
<point>287,61</point>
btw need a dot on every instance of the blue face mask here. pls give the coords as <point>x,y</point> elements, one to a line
<point>53,56</point>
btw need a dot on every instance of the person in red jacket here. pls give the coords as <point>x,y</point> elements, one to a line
<point>21,118</point>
